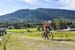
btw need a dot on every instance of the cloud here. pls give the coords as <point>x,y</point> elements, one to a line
<point>63,4</point>
<point>67,4</point>
<point>29,1</point>
<point>12,5</point>
<point>59,4</point>
<point>70,4</point>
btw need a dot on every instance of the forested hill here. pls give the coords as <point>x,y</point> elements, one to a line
<point>40,14</point>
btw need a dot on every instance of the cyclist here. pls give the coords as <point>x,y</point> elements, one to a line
<point>47,29</point>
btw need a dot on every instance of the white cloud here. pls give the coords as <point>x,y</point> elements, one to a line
<point>67,4</point>
<point>70,3</point>
<point>63,4</point>
<point>29,1</point>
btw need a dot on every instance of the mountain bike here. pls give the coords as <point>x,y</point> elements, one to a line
<point>47,35</point>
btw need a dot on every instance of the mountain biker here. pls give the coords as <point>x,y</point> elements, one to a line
<point>47,26</point>
<point>47,29</point>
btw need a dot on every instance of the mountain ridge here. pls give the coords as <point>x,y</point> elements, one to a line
<point>40,14</point>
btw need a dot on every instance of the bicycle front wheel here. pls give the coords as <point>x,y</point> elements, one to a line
<point>51,36</point>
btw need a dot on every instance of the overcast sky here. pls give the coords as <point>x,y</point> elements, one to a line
<point>8,6</point>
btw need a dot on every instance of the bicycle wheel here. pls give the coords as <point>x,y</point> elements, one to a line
<point>42,34</point>
<point>50,35</point>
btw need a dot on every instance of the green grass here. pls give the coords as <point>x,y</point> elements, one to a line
<point>37,34</point>
<point>22,30</point>
<point>18,41</point>
<point>17,30</point>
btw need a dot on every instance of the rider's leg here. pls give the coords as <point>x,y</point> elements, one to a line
<point>46,35</point>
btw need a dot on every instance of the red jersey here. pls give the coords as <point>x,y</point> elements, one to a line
<point>46,26</point>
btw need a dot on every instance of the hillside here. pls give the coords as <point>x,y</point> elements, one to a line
<point>40,14</point>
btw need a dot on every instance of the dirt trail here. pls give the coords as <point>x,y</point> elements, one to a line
<point>67,42</point>
<point>30,43</point>
<point>42,44</point>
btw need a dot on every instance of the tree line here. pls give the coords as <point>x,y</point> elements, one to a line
<point>58,24</point>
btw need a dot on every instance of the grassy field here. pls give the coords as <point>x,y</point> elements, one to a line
<point>37,34</point>
<point>18,40</point>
